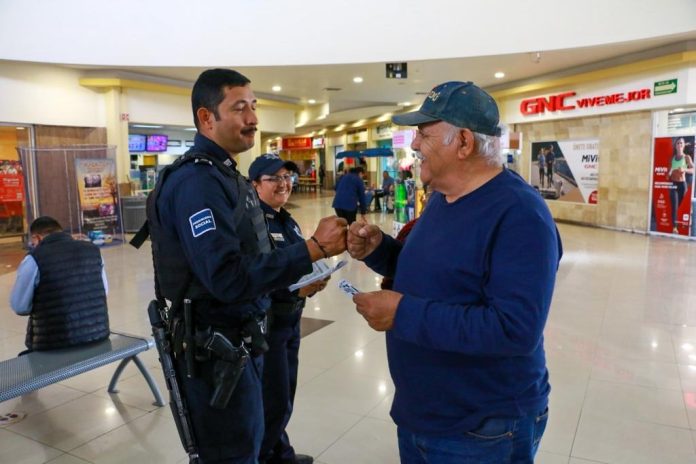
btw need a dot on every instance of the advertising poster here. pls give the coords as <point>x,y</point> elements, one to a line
<point>11,197</point>
<point>98,195</point>
<point>672,185</point>
<point>566,170</point>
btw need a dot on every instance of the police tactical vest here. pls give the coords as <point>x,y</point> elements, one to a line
<point>69,305</point>
<point>174,279</point>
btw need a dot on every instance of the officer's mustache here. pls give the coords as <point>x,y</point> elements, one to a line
<point>251,130</point>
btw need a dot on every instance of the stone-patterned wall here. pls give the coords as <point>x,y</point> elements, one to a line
<point>624,167</point>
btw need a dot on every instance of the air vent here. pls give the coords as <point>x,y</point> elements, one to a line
<point>332,89</point>
<point>422,93</point>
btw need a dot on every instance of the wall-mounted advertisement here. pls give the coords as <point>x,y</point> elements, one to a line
<point>673,186</point>
<point>11,197</point>
<point>98,194</point>
<point>566,170</point>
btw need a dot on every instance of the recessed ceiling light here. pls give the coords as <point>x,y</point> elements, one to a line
<point>499,75</point>
<point>405,104</point>
<point>311,101</point>
<point>678,109</point>
<point>20,128</point>
<point>146,126</point>
<point>357,79</point>
<point>276,88</point>
<point>192,129</point>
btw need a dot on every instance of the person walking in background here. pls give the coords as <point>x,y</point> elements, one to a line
<point>350,195</point>
<point>61,285</point>
<point>464,344</point>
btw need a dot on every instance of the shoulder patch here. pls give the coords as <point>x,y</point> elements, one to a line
<point>202,222</point>
<point>278,237</point>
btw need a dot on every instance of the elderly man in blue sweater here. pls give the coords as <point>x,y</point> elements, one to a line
<point>472,289</point>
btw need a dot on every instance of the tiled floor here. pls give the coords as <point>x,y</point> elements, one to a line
<point>621,344</point>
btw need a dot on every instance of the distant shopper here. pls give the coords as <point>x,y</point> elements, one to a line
<point>61,285</point>
<point>350,193</point>
<point>387,186</point>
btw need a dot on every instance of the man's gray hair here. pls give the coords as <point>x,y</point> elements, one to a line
<point>488,146</point>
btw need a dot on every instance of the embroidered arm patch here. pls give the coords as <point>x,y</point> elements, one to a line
<point>202,222</point>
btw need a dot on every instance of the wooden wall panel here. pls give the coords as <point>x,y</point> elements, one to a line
<point>56,151</point>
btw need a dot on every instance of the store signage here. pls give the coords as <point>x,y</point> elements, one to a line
<point>402,139</point>
<point>297,143</point>
<point>565,101</point>
<point>318,142</point>
<point>665,87</point>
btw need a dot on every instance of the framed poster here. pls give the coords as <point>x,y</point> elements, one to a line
<point>672,185</point>
<point>566,170</point>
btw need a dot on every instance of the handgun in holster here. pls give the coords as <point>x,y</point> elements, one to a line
<point>228,368</point>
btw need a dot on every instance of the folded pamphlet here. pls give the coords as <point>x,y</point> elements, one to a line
<point>320,271</point>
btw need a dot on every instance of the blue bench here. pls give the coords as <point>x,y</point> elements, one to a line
<point>38,369</point>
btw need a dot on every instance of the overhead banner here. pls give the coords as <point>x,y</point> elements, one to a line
<point>566,170</point>
<point>98,195</point>
<point>673,185</point>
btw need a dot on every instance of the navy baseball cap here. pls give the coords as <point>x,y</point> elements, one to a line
<point>269,164</point>
<point>462,104</point>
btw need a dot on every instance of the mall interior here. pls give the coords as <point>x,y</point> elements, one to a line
<point>95,101</point>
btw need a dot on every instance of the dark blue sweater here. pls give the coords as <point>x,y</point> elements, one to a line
<point>477,277</point>
<point>349,192</point>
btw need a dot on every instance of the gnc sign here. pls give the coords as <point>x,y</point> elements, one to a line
<point>565,101</point>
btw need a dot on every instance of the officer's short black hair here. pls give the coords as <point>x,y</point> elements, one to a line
<point>209,89</point>
<point>44,225</point>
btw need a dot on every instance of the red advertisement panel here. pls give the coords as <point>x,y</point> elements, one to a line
<point>11,181</point>
<point>672,185</point>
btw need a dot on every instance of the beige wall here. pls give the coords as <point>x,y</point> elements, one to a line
<point>625,142</point>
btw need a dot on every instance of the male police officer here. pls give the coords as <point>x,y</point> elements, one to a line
<point>210,246</point>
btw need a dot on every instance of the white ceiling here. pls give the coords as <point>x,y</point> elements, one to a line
<point>309,46</point>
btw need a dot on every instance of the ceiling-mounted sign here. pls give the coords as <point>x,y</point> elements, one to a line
<point>297,143</point>
<point>318,142</point>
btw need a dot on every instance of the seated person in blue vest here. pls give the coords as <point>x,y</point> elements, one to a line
<point>61,285</point>
<point>387,186</point>
<point>350,193</point>
<point>271,176</point>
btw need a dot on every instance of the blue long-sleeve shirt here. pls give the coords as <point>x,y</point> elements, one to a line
<point>349,192</point>
<point>477,277</point>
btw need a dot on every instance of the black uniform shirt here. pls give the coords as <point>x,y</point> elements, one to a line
<point>196,207</point>
<point>285,232</point>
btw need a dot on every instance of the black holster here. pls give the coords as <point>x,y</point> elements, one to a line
<point>228,368</point>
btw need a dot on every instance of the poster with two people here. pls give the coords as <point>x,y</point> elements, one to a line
<point>673,186</point>
<point>566,170</point>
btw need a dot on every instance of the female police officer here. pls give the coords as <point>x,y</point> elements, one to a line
<point>271,176</point>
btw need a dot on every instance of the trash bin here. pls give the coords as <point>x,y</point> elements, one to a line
<point>133,210</point>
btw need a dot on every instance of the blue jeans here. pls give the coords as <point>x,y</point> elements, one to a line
<point>495,441</point>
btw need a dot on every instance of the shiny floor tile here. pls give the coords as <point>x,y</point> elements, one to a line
<point>620,342</point>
